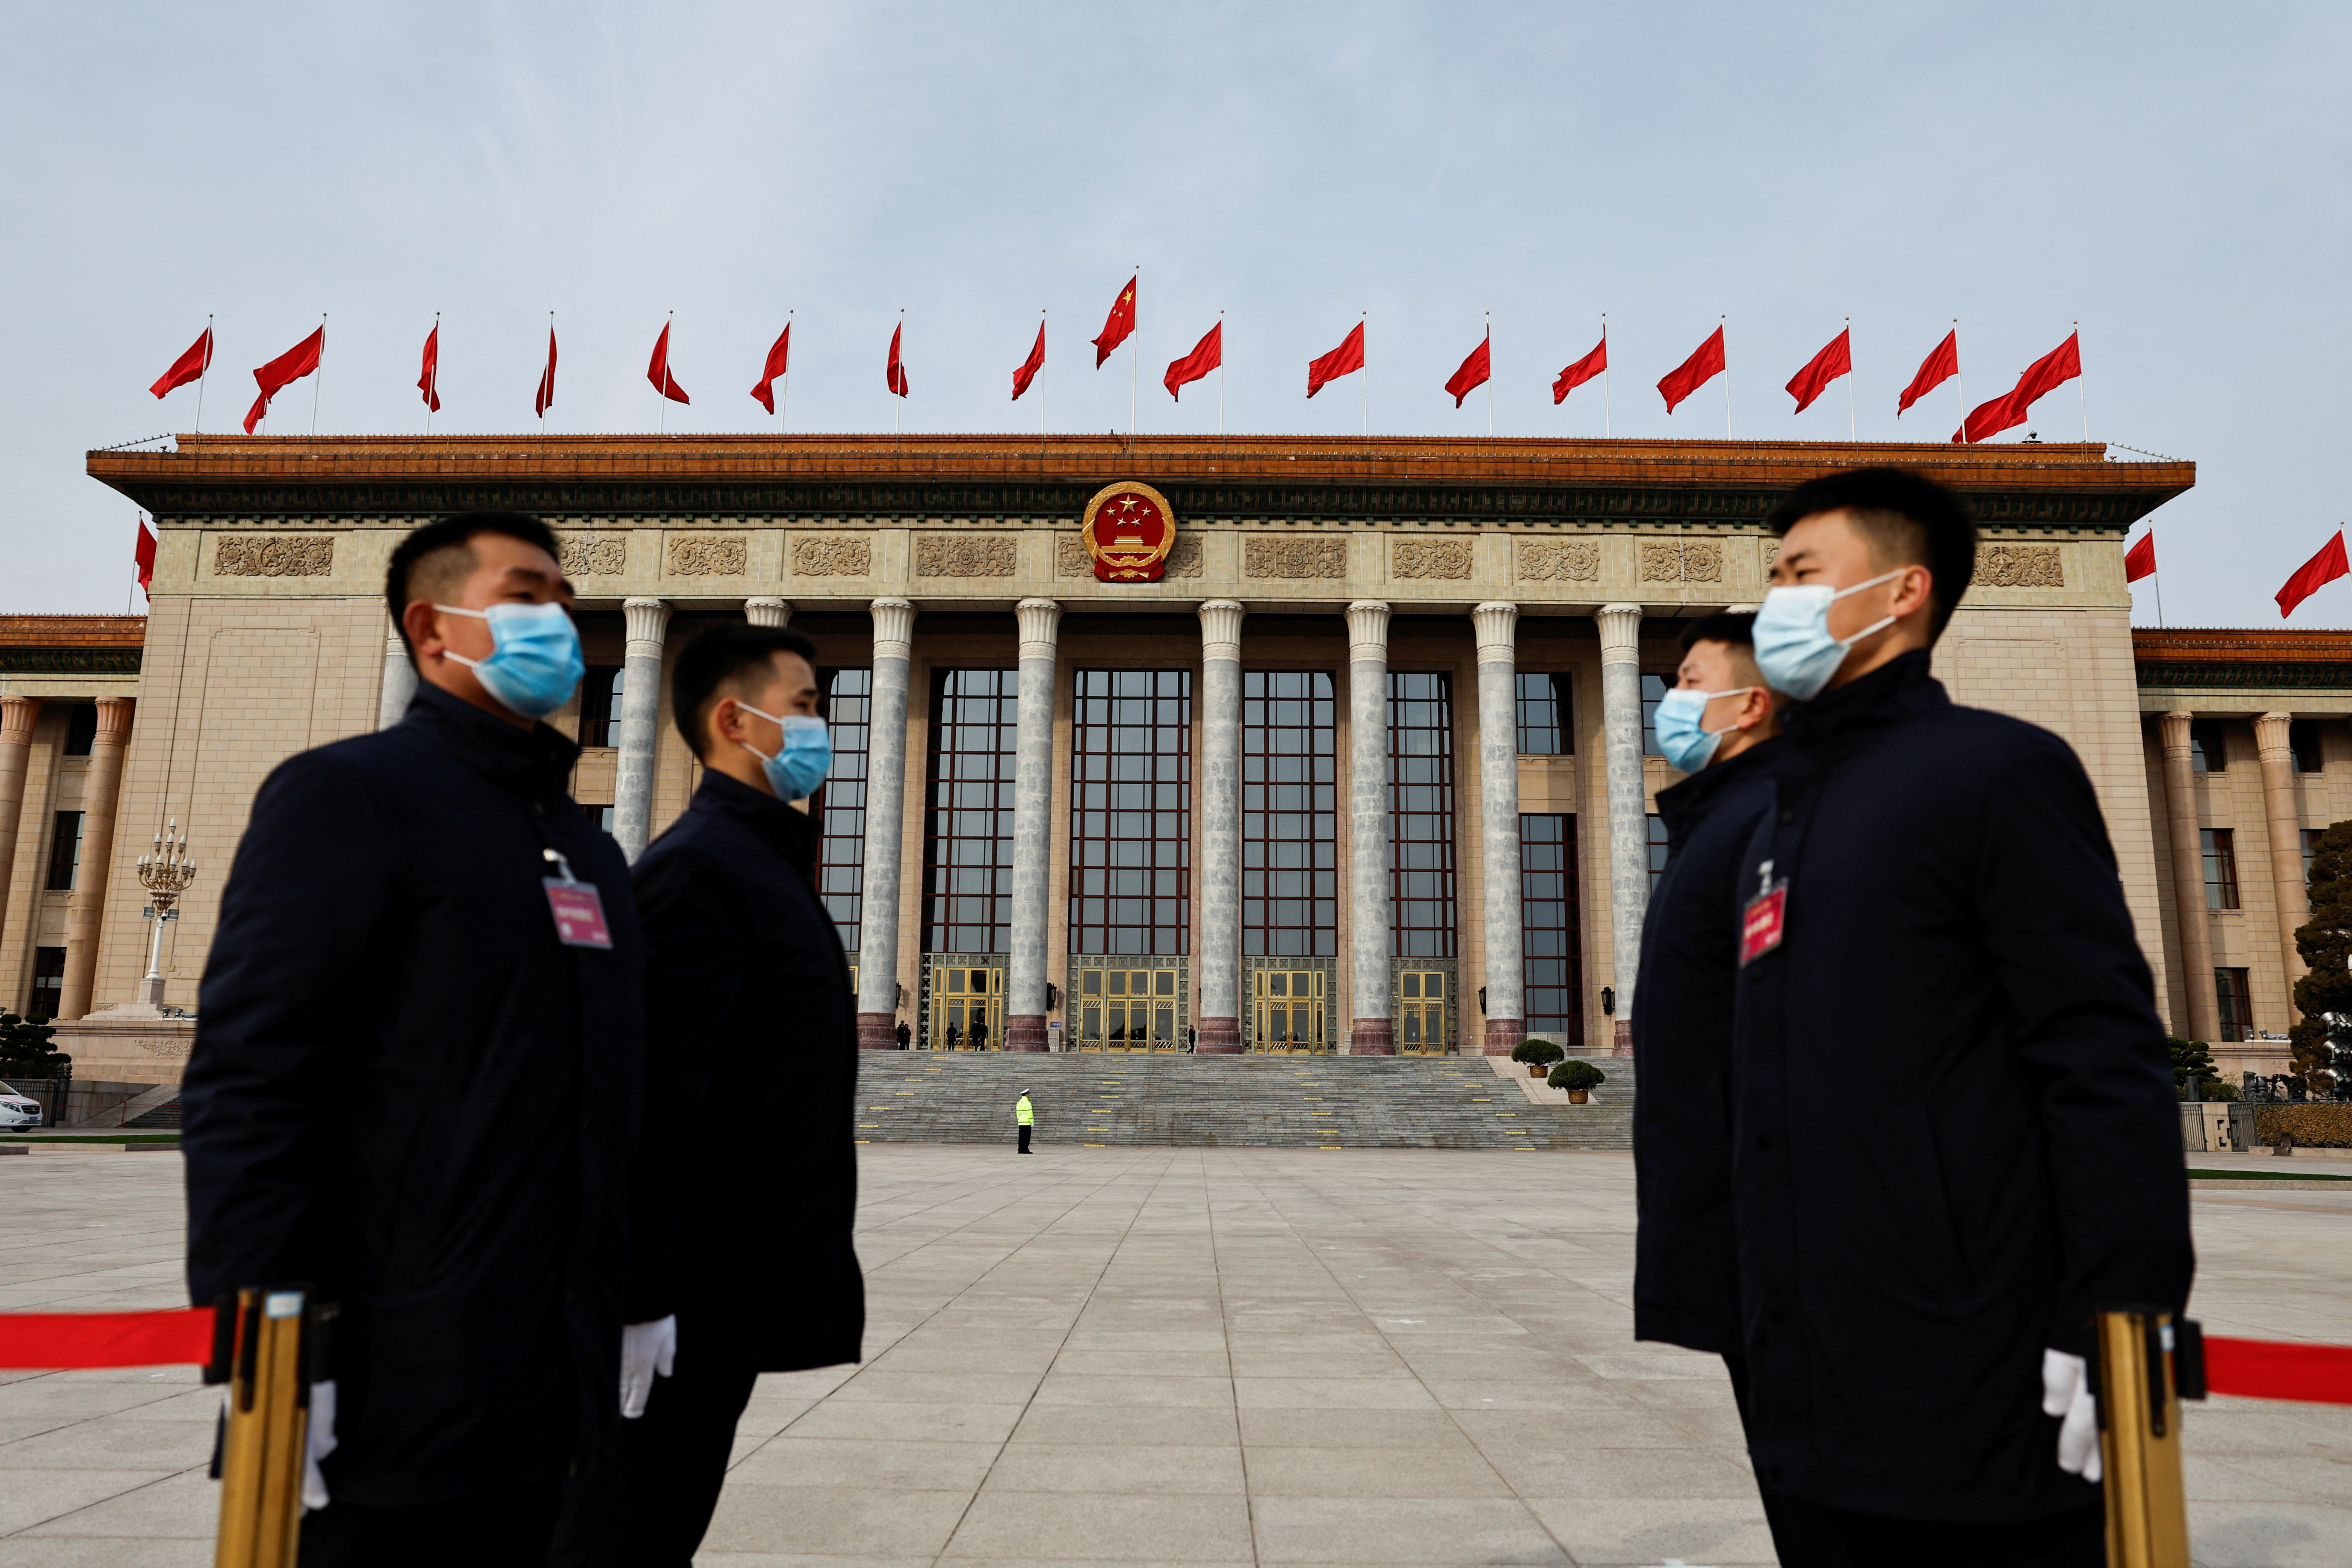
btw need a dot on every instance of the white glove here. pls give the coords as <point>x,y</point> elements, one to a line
<point>647,1350</point>
<point>321,1444</point>
<point>2066,1391</point>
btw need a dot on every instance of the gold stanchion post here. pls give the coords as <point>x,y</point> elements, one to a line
<point>2146,1362</point>
<point>267,1435</point>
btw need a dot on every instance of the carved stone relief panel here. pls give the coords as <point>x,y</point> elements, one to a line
<point>725,556</point>
<point>967,555</point>
<point>1184,557</point>
<point>274,556</point>
<point>592,557</point>
<point>1442,558</point>
<point>2021,566</point>
<point>816,555</point>
<point>1560,560</point>
<point>1070,557</point>
<point>1683,561</point>
<point>1295,557</point>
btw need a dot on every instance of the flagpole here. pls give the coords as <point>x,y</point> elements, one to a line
<point>1722,324</point>
<point>1041,390</point>
<point>1132,354</point>
<point>1490,376</point>
<point>435,377</point>
<point>1852,431</point>
<point>1607,432</point>
<point>1221,384</point>
<point>898,398</point>
<point>1959,382</point>
<point>317,385</point>
<point>203,370</point>
<point>1365,316</point>
<point>2082,389</point>
<point>784,395</point>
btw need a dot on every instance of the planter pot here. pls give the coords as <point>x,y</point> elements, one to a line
<point>1534,1070</point>
<point>1579,1096</point>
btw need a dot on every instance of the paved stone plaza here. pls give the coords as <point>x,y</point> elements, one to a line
<point>1197,1357</point>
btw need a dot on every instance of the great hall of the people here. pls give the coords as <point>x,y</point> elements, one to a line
<point>1362,763</point>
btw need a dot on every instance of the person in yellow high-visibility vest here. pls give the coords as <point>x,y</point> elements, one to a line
<point>1025,1116</point>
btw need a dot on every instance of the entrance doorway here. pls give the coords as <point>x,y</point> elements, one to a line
<point>1425,1012</point>
<point>1289,1011</point>
<point>1124,1008</point>
<point>963,1009</point>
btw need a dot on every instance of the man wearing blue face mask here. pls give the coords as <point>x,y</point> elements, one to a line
<point>1953,1123</point>
<point>426,982</point>
<point>747,1183</point>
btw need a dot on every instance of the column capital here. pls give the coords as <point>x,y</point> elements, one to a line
<point>2270,733</point>
<point>113,721</point>
<point>1621,634</point>
<point>1497,624</point>
<point>2175,730</point>
<point>1368,631</point>
<point>768,612</point>
<point>646,620</point>
<point>1220,629</point>
<point>894,628</point>
<point>17,716</point>
<point>1041,625</point>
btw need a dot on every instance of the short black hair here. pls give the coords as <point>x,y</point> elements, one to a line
<point>1904,514</point>
<point>1739,631</point>
<point>451,533</point>
<point>716,657</point>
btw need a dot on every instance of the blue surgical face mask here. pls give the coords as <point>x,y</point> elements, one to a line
<point>1794,650</point>
<point>1687,745</point>
<point>800,763</point>
<point>534,665</point>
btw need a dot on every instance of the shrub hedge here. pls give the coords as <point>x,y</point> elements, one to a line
<point>1536,1052</point>
<point>2312,1126</point>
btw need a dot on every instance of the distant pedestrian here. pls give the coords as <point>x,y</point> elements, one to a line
<point>955,1039</point>
<point>906,1034</point>
<point>980,1034</point>
<point>1025,1116</point>
<point>1191,1038</point>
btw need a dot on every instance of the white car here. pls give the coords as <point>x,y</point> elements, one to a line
<point>16,1111</point>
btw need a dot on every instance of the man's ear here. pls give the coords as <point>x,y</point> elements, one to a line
<point>416,620</point>
<point>1915,592</point>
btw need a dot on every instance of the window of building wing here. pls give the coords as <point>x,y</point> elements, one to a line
<point>968,815</point>
<point>840,803</point>
<point>1552,948</point>
<point>65,851</point>
<point>1131,811</point>
<point>1546,717</point>
<point>1654,691</point>
<point>1290,893</point>
<point>2207,753</point>
<point>1659,849</point>
<point>2303,743</point>
<point>81,729</point>
<point>600,705</point>
<point>2310,845</point>
<point>2236,999</point>
<point>2221,868</point>
<point>1420,820</point>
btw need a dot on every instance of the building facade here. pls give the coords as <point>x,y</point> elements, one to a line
<point>1359,762</point>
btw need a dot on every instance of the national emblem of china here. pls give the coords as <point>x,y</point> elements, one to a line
<point>1129,529</point>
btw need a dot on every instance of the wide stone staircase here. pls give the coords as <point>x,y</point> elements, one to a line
<point>1193,1101</point>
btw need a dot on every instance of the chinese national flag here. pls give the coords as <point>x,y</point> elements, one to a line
<point>2139,561</point>
<point>429,383</point>
<point>1118,324</point>
<point>657,372</point>
<point>1579,373</point>
<point>546,398</point>
<point>1207,354</point>
<point>283,372</point>
<point>1825,367</point>
<point>2323,568</point>
<point>1032,365</point>
<point>188,367</point>
<point>143,556</point>
<point>1476,371</point>
<point>1694,372</point>
<point>1345,360</point>
<point>2051,371</point>
<point>780,360</point>
<point>894,374</point>
<point>1939,367</point>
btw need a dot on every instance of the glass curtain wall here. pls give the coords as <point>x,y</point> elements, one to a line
<point>968,822</point>
<point>1290,892</point>
<point>1130,812</point>
<point>840,806</point>
<point>1421,804</point>
<point>1553,952</point>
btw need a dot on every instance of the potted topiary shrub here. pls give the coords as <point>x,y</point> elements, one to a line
<point>1579,1077</point>
<point>1537,1054</point>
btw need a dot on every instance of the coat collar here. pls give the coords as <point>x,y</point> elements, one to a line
<point>1686,804</point>
<point>1900,689</point>
<point>527,761</point>
<point>793,833</point>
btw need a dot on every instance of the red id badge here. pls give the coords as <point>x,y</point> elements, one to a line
<point>579,913</point>
<point>1761,920</point>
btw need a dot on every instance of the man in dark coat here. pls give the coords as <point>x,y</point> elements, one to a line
<point>1954,1125</point>
<point>401,1093</point>
<point>748,1186</point>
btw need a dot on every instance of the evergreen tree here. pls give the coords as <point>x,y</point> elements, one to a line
<point>2324,996</point>
<point>25,1050</point>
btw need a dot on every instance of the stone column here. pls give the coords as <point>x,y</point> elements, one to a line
<point>1628,828</point>
<point>17,716</point>
<point>2285,827</point>
<point>633,779</point>
<point>886,816</point>
<point>1032,827</point>
<point>768,612</point>
<point>2204,1021</point>
<point>86,914</point>
<point>1219,1021</point>
<point>1373,1030</point>
<point>399,681</point>
<point>1499,815</point>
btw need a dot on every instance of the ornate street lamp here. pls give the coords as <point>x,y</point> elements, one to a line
<point>166,872</point>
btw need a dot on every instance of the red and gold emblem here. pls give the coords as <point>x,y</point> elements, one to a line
<point>1129,529</point>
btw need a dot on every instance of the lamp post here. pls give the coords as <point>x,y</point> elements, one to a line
<point>166,872</point>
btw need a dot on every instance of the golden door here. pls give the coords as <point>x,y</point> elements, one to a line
<point>1424,1013</point>
<point>1287,1012</point>
<point>967,1008</point>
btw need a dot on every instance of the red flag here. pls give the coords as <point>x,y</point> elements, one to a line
<point>1824,368</point>
<point>1345,360</point>
<point>2051,371</point>
<point>429,383</point>
<point>1030,366</point>
<point>1939,367</point>
<point>1694,372</point>
<point>894,374</point>
<point>1118,324</point>
<point>1579,373</point>
<point>546,398</point>
<point>2139,561</point>
<point>659,371</point>
<point>779,358</point>
<point>1476,371</point>
<point>283,372</point>
<point>143,556</point>
<point>2323,568</point>
<point>188,367</point>
<point>1208,354</point>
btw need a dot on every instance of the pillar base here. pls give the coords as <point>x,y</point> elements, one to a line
<point>1622,1044</point>
<point>1504,1035</point>
<point>877,1031</point>
<point>1219,1037</point>
<point>1025,1032</point>
<point>1372,1037</point>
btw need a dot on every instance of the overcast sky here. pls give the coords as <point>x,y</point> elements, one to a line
<point>2173,176</point>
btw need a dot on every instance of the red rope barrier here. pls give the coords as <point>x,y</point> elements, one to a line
<point>50,1341</point>
<point>2261,1369</point>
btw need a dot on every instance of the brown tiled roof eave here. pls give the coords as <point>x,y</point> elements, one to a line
<point>73,631</point>
<point>2218,645</point>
